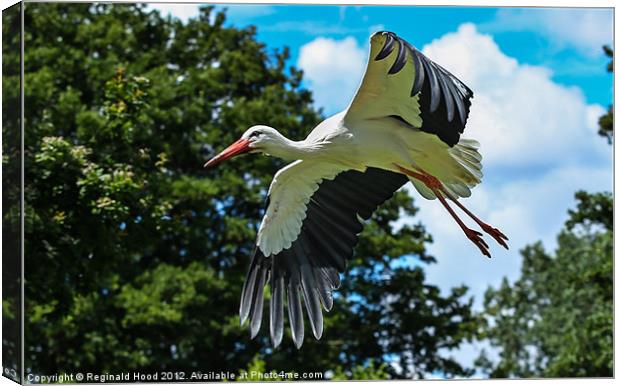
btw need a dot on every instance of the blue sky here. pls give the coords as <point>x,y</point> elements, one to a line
<point>540,85</point>
<point>525,34</point>
<point>294,26</point>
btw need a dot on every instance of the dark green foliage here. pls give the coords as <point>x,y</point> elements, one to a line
<point>606,122</point>
<point>369,372</point>
<point>11,192</point>
<point>556,320</point>
<point>610,54</point>
<point>596,209</point>
<point>136,254</point>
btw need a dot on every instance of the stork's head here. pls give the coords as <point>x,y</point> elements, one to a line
<point>256,139</point>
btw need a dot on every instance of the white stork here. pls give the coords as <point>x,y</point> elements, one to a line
<point>404,124</point>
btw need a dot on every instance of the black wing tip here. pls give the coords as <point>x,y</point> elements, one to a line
<point>388,46</point>
<point>401,58</point>
<point>441,116</point>
<point>384,33</point>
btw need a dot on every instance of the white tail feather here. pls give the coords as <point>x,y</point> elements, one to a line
<point>459,168</point>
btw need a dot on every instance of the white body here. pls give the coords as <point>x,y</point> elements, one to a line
<point>335,146</point>
<point>364,135</point>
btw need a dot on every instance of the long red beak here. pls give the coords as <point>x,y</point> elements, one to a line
<point>239,147</point>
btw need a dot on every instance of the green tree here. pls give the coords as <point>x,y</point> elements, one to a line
<point>556,320</point>
<point>257,371</point>
<point>369,372</point>
<point>606,122</point>
<point>11,191</point>
<point>136,255</point>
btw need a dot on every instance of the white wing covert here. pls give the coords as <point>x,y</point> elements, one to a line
<point>289,193</point>
<point>402,83</point>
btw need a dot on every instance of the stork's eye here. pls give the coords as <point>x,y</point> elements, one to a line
<point>254,134</point>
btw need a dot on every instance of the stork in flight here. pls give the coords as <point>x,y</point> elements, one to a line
<point>404,124</point>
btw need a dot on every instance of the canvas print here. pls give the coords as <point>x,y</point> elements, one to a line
<point>261,192</point>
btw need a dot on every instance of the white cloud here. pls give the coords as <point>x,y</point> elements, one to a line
<point>539,145</point>
<point>333,69</point>
<point>521,116</point>
<point>586,29</point>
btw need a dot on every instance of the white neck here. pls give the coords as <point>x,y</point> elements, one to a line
<point>287,149</point>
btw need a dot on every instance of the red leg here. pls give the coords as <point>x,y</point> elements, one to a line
<point>433,182</point>
<point>493,232</point>
<point>435,185</point>
<point>474,236</point>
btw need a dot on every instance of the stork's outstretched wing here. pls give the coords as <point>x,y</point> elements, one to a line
<point>308,268</point>
<point>402,83</point>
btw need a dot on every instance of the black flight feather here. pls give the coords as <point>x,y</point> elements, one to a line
<point>310,267</point>
<point>440,94</point>
<point>401,59</point>
<point>387,48</point>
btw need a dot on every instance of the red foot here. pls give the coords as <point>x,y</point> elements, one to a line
<point>496,234</point>
<point>476,238</point>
